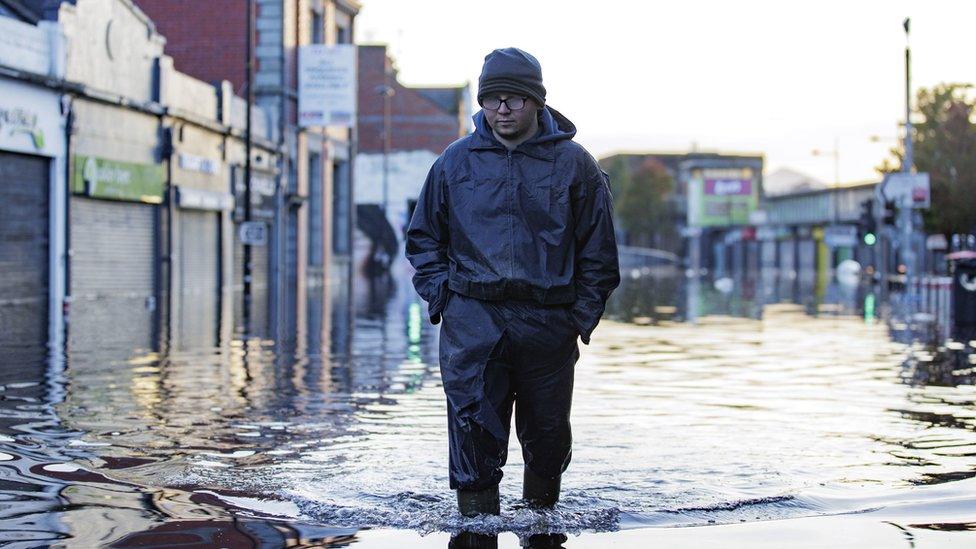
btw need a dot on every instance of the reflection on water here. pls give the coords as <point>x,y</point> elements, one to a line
<point>651,294</point>
<point>698,402</point>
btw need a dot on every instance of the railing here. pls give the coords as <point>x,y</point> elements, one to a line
<point>926,305</point>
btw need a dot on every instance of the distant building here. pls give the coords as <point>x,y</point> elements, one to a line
<point>787,181</point>
<point>713,204</point>
<point>422,122</point>
<point>811,231</point>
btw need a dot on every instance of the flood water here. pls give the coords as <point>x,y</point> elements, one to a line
<point>697,403</point>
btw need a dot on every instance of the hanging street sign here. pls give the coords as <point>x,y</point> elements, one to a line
<point>907,188</point>
<point>327,85</point>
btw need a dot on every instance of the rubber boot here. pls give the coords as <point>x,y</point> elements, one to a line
<point>479,502</point>
<point>540,492</point>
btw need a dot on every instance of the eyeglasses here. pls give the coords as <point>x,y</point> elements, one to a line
<point>495,103</point>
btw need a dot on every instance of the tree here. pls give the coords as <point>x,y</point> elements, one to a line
<point>619,172</point>
<point>945,147</point>
<point>640,201</point>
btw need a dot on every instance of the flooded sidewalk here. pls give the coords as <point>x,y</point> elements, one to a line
<point>723,424</point>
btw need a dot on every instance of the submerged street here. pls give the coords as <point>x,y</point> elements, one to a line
<point>694,406</point>
<point>275,274</point>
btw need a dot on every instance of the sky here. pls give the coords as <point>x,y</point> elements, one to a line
<point>780,78</point>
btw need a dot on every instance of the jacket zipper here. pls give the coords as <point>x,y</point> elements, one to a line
<point>511,220</point>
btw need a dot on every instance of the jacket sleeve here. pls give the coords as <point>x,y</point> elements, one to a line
<point>597,272</point>
<point>427,243</point>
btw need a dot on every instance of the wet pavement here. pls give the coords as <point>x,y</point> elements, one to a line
<point>698,403</point>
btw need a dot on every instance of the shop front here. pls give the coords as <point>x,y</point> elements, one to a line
<point>31,142</point>
<point>114,219</point>
<point>197,279</point>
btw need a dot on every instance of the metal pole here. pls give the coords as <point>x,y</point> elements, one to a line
<point>387,108</point>
<point>881,245</point>
<point>905,208</point>
<point>247,165</point>
<point>909,159</point>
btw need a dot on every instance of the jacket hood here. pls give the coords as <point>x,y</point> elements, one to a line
<point>553,126</point>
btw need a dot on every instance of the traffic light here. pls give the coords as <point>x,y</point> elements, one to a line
<point>889,212</point>
<point>867,225</point>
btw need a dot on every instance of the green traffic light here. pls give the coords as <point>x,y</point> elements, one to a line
<point>870,239</point>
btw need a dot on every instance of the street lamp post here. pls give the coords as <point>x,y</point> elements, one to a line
<point>387,92</point>
<point>909,159</point>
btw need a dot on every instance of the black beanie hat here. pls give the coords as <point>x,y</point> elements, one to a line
<point>511,70</point>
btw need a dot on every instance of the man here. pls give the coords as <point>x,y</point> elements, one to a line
<point>513,244</point>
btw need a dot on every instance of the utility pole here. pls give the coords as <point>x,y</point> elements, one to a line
<point>905,208</point>
<point>249,76</point>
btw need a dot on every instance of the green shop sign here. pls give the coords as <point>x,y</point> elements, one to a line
<point>101,178</point>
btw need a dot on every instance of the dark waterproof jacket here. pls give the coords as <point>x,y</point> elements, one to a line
<point>531,223</point>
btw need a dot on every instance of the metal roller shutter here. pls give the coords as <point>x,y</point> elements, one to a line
<point>259,286</point>
<point>259,290</point>
<point>113,282</point>
<point>807,250</point>
<point>23,256</point>
<point>787,255</point>
<point>199,296</point>
<point>768,260</point>
<point>290,276</point>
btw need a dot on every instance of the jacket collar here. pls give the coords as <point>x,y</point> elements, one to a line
<point>542,146</point>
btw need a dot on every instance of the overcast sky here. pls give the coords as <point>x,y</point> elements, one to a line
<point>778,78</point>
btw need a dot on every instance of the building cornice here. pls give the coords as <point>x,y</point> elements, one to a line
<point>351,7</point>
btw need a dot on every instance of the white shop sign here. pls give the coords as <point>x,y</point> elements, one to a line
<point>200,164</point>
<point>30,119</point>
<point>199,199</point>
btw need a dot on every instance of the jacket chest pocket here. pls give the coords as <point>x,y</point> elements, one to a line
<point>547,195</point>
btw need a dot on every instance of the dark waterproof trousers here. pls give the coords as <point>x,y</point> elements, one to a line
<point>496,354</point>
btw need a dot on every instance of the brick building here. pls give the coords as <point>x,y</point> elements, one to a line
<point>421,118</point>
<point>211,45</point>
<point>422,122</point>
<point>314,244</point>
